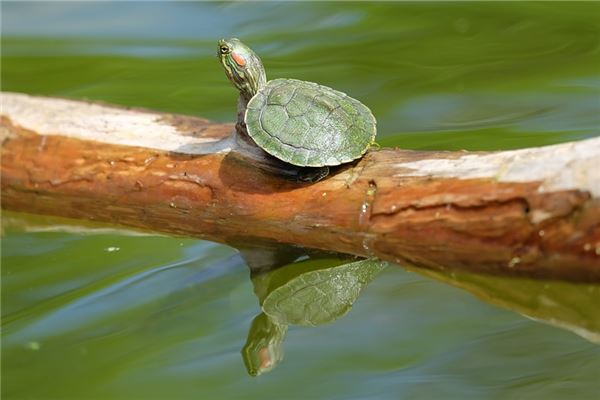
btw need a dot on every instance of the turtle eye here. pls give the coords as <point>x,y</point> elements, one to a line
<point>224,49</point>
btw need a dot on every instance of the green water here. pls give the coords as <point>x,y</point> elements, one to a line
<point>99,314</point>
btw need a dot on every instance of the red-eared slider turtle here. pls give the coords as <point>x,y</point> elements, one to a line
<point>310,292</point>
<point>301,123</point>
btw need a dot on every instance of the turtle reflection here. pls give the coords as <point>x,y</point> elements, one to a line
<point>309,293</point>
<point>264,346</point>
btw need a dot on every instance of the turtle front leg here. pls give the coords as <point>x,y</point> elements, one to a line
<point>312,174</point>
<point>297,174</point>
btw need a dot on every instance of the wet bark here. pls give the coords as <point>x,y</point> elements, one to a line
<point>533,212</point>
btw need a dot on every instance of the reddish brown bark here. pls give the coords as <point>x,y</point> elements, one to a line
<point>367,209</point>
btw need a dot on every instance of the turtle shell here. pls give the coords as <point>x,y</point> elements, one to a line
<point>309,125</point>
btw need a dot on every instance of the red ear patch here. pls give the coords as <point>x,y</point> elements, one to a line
<point>239,60</point>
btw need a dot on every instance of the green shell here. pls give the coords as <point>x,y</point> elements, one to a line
<point>309,125</point>
<point>320,296</point>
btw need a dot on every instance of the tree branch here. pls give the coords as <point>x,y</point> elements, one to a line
<point>533,212</point>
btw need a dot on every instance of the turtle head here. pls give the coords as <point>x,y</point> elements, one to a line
<point>242,66</point>
<point>264,347</point>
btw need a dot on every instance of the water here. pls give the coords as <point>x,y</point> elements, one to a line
<point>89,313</point>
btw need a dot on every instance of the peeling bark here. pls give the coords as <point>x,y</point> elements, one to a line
<point>533,212</point>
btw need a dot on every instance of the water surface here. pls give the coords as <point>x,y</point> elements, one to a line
<point>103,314</point>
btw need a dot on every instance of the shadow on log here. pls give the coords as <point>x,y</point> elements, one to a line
<point>532,212</point>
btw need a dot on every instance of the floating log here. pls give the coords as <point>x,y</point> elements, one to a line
<point>533,212</point>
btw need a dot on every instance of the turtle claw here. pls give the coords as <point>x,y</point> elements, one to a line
<point>312,174</point>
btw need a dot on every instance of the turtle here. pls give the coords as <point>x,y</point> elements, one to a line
<point>307,126</point>
<point>308,292</point>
